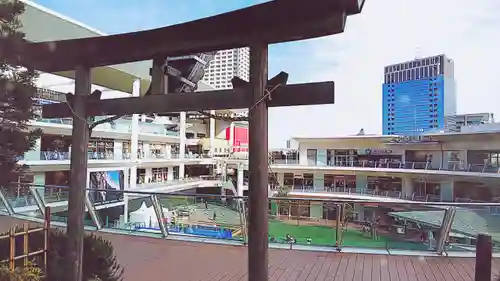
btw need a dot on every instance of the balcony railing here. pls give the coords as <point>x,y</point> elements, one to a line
<point>66,155</point>
<point>447,166</point>
<point>122,125</point>
<point>296,223</point>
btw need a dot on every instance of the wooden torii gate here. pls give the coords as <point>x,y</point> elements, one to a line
<point>256,26</point>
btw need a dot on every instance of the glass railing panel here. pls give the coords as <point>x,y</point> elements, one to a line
<point>22,200</point>
<point>208,217</point>
<point>54,155</point>
<point>31,155</point>
<point>3,206</point>
<point>300,222</point>
<point>53,194</point>
<point>408,227</point>
<point>468,222</point>
<point>130,213</point>
<point>57,197</point>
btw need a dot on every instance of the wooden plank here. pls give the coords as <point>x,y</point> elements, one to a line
<point>290,95</point>
<point>269,22</point>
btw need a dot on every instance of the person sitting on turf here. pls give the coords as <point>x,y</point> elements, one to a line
<point>308,240</point>
<point>272,239</point>
<point>288,238</point>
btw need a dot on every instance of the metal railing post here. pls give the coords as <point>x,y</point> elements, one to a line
<point>243,219</point>
<point>160,216</point>
<point>92,211</point>
<point>6,202</point>
<point>38,199</point>
<point>444,231</point>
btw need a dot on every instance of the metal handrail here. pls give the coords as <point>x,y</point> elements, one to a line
<point>312,199</point>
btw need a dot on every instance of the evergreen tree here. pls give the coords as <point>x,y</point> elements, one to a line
<point>17,90</point>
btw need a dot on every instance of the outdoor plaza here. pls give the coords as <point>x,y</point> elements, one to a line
<point>241,238</point>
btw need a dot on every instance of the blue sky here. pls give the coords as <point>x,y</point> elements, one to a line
<point>388,31</point>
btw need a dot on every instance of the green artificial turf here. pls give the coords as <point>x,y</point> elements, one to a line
<point>326,236</point>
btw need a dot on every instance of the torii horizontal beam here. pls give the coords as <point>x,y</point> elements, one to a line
<point>290,95</point>
<point>271,22</point>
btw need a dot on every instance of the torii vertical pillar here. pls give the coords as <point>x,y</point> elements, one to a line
<point>258,167</point>
<point>78,174</point>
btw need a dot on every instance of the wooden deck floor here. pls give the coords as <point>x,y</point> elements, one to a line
<point>149,259</point>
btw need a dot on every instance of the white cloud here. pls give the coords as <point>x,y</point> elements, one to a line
<point>390,31</point>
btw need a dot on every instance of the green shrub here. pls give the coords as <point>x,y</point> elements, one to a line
<point>29,273</point>
<point>99,261</point>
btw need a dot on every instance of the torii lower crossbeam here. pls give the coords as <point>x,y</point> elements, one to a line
<point>290,95</point>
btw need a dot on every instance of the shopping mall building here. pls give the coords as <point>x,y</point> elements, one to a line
<point>207,152</point>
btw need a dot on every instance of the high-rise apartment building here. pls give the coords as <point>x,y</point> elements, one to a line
<point>417,95</point>
<point>226,65</point>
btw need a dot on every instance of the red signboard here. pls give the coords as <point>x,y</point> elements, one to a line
<point>240,138</point>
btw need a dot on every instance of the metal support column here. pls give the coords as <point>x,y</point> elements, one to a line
<point>258,167</point>
<point>78,174</point>
<point>444,231</point>
<point>160,216</point>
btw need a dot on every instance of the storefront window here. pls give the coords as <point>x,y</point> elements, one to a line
<point>159,174</point>
<point>101,149</point>
<point>345,157</point>
<point>141,176</point>
<point>157,150</point>
<point>329,180</point>
<point>288,179</point>
<point>311,157</point>
<point>140,150</point>
<point>126,149</point>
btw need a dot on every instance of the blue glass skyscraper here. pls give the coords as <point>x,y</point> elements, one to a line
<point>417,95</point>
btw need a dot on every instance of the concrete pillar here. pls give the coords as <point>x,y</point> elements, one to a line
<point>321,157</point>
<point>408,187</point>
<point>35,154</point>
<point>231,136</point>
<point>182,145</point>
<point>319,182</point>
<point>170,173</point>
<point>168,151</point>
<point>360,210</point>
<point>361,183</point>
<point>118,150</point>
<point>134,141</point>
<point>148,175</point>
<point>147,151</point>
<point>125,196</point>
<point>316,210</point>
<point>212,134</point>
<point>239,180</point>
<point>302,155</point>
<point>280,177</point>
<point>447,191</point>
